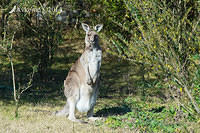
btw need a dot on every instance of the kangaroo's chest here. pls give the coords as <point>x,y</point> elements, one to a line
<point>94,61</point>
<point>94,56</point>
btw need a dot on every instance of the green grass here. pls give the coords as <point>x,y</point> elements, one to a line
<point>154,116</point>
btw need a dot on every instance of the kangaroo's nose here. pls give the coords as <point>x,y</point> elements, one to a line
<point>95,37</point>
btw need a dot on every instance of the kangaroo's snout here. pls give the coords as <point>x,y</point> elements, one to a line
<point>96,37</point>
<point>92,37</point>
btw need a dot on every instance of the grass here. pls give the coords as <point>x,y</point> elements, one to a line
<point>38,118</point>
<point>120,114</point>
<point>154,116</point>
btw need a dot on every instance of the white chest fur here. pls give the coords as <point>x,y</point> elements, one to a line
<point>94,61</point>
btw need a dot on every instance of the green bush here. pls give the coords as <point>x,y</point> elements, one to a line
<point>164,37</point>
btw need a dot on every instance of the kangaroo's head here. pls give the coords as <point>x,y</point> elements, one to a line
<point>91,38</point>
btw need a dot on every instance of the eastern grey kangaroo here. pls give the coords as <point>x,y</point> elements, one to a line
<point>82,83</point>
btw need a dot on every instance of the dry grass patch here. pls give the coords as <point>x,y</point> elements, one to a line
<point>39,119</point>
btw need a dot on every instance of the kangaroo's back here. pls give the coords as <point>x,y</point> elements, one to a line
<point>74,79</point>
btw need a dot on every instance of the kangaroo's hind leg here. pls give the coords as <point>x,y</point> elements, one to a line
<point>72,107</point>
<point>64,111</point>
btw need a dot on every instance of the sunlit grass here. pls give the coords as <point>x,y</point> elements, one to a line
<point>36,118</point>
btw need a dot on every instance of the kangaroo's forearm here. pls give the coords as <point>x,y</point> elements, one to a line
<point>92,79</point>
<point>95,77</point>
<point>88,76</point>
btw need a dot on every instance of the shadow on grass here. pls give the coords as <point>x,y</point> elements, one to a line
<point>105,112</point>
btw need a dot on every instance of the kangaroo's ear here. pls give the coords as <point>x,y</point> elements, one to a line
<point>98,27</point>
<point>85,27</point>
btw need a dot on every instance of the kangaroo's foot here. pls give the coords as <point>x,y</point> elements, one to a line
<point>94,118</point>
<point>76,120</point>
<point>61,113</point>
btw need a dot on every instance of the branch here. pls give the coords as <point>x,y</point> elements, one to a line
<point>191,99</point>
<point>29,84</point>
<point>12,69</point>
<point>177,100</point>
<point>189,95</point>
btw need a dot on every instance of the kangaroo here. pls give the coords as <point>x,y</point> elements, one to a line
<point>82,82</point>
